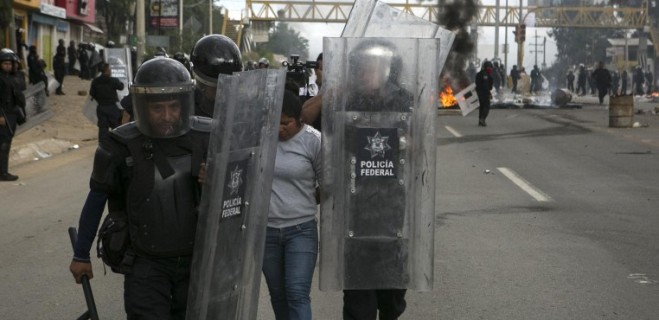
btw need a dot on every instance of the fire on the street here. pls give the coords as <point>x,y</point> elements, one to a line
<point>446,97</point>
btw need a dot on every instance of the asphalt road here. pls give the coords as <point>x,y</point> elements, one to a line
<point>544,214</point>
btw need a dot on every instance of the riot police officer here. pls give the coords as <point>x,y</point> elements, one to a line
<point>147,171</point>
<point>212,55</point>
<point>375,87</point>
<point>10,97</point>
<point>104,90</point>
<point>484,83</point>
<point>59,66</point>
<point>184,59</point>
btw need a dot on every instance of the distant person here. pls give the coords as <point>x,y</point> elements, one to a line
<point>514,77</point>
<point>59,66</point>
<point>83,59</point>
<point>570,81</point>
<point>639,79</point>
<point>496,76</point>
<point>581,80</point>
<point>264,63</point>
<point>602,79</point>
<point>536,80</point>
<point>623,79</point>
<point>484,83</point>
<point>72,53</point>
<point>104,90</point>
<point>36,71</point>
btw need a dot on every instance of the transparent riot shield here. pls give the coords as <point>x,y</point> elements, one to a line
<point>119,60</point>
<point>372,18</point>
<point>233,216</point>
<point>378,186</point>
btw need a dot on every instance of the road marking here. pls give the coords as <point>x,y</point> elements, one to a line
<point>641,278</point>
<point>525,185</point>
<point>453,131</point>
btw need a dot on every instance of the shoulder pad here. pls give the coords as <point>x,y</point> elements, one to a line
<point>107,158</point>
<point>126,132</point>
<point>202,124</point>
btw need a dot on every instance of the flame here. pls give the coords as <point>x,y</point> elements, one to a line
<point>446,97</point>
<point>655,94</point>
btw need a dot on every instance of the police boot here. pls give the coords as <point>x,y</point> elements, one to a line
<point>4,164</point>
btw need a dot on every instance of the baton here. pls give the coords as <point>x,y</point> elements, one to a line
<point>91,312</point>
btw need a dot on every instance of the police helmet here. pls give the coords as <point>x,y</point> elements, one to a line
<point>264,61</point>
<point>375,62</point>
<point>7,54</point>
<point>212,55</point>
<point>163,98</point>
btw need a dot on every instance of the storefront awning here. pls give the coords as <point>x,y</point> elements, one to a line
<point>93,28</point>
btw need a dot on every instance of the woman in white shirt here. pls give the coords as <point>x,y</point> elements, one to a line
<point>291,245</point>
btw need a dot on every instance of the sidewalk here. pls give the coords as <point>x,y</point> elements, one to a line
<point>67,129</point>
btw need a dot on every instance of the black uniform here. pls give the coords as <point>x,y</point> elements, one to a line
<point>483,90</point>
<point>72,53</point>
<point>602,79</point>
<point>59,66</point>
<point>514,76</point>
<point>9,110</point>
<point>104,91</point>
<point>147,170</point>
<point>581,81</point>
<point>157,189</point>
<point>639,79</point>
<point>570,81</point>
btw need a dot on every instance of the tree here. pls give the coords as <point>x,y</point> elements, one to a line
<point>116,13</point>
<point>286,41</point>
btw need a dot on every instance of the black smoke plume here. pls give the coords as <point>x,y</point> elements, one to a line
<point>457,16</point>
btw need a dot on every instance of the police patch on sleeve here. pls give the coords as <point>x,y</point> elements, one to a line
<point>377,153</point>
<point>234,189</point>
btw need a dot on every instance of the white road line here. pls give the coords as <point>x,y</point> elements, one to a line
<point>453,132</point>
<point>525,185</point>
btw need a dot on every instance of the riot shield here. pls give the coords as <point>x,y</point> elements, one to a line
<point>233,216</point>
<point>378,185</point>
<point>119,60</point>
<point>372,18</point>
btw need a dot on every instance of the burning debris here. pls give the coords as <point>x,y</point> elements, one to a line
<point>446,97</point>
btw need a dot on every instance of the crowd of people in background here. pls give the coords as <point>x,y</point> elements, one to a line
<point>590,81</point>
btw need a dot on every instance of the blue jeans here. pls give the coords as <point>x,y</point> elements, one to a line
<point>288,264</point>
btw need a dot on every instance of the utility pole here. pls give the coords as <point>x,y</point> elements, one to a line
<point>544,52</point>
<point>139,21</point>
<point>496,30</point>
<point>535,45</point>
<point>210,16</point>
<point>505,52</point>
<point>520,44</point>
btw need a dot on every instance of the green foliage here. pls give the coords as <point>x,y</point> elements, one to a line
<point>286,41</point>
